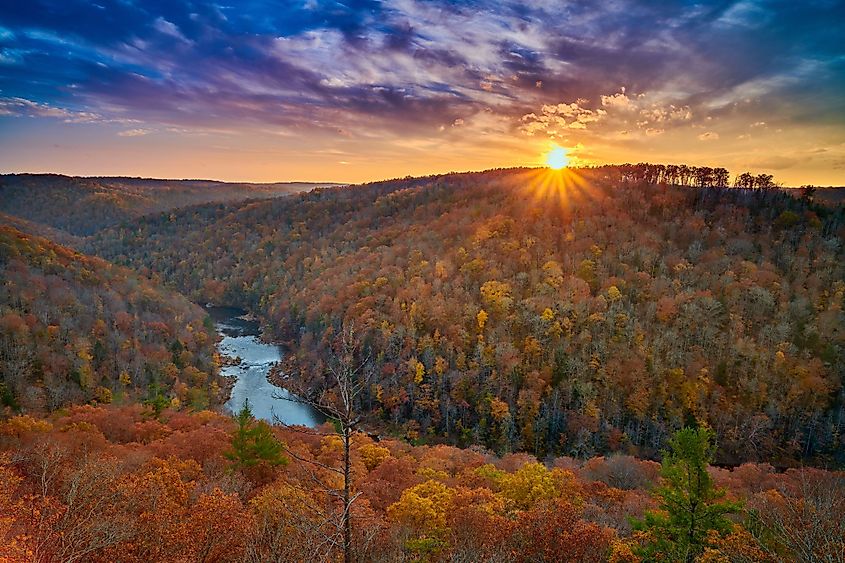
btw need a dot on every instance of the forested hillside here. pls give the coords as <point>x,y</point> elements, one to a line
<point>106,484</point>
<point>75,329</point>
<point>557,313</point>
<point>82,206</point>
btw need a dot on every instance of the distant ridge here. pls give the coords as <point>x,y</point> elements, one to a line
<point>80,206</point>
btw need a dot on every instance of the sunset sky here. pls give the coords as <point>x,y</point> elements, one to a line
<point>363,90</point>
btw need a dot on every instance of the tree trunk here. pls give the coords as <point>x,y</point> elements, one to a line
<point>347,516</point>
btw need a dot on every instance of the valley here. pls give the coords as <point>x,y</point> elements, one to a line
<point>506,352</point>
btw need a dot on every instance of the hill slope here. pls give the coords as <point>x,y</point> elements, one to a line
<point>75,329</point>
<point>573,313</point>
<point>82,206</point>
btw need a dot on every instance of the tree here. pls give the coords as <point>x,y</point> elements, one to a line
<point>690,505</point>
<point>765,181</point>
<point>808,192</point>
<point>347,377</point>
<point>253,442</point>
<point>802,521</point>
<point>744,180</point>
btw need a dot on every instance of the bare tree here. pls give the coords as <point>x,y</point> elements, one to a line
<point>346,376</point>
<point>804,520</point>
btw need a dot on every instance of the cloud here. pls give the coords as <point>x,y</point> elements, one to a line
<point>708,136</point>
<point>399,68</point>
<point>17,107</point>
<point>777,162</point>
<point>618,114</point>
<point>618,101</point>
<point>134,133</point>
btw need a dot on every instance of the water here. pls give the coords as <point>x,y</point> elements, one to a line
<point>240,339</point>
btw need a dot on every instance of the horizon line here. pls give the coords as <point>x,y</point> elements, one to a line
<point>340,184</point>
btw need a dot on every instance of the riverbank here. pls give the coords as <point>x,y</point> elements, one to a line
<point>249,362</point>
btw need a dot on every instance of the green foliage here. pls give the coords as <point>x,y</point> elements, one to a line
<point>198,398</point>
<point>7,398</point>
<point>253,442</point>
<point>156,399</point>
<point>690,506</point>
<point>422,549</point>
<point>787,219</point>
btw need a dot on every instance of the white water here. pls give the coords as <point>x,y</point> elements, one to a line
<point>240,340</point>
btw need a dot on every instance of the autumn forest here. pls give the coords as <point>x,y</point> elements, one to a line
<point>612,363</point>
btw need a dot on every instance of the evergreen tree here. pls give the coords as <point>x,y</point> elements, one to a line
<point>253,442</point>
<point>156,399</point>
<point>690,506</point>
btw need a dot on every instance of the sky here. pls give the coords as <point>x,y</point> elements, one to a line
<point>365,90</point>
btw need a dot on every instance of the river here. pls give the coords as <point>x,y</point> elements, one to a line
<point>240,340</point>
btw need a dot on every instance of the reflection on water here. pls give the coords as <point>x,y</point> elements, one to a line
<point>240,340</point>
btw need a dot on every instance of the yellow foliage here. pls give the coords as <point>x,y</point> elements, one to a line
<point>532,483</point>
<point>103,394</point>
<point>461,360</point>
<point>499,409</point>
<point>286,507</point>
<point>531,346</point>
<point>423,507</point>
<point>417,369</point>
<point>372,455</point>
<point>613,293</point>
<point>125,379</point>
<point>596,318</point>
<point>548,315</point>
<point>331,444</point>
<point>22,424</point>
<point>553,274</point>
<point>378,391</point>
<point>591,410</point>
<point>621,552</point>
<point>488,471</point>
<point>481,319</point>
<point>497,295</point>
<point>86,376</point>
<point>738,545</point>
<point>84,354</point>
<point>171,371</point>
<point>440,365</point>
<point>431,474</point>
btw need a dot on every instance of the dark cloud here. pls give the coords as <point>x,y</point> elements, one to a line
<point>409,64</point>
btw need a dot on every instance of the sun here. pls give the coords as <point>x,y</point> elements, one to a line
<point>557,158</point>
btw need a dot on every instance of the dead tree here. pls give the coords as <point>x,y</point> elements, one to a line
<point>346,376</point>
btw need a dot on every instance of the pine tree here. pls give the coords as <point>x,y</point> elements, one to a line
<point>690,505</point>
<point>253,442</point>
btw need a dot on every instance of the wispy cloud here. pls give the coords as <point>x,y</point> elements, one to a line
<point>627,71</point>
<point>18,107</point>
<point>134,133</point>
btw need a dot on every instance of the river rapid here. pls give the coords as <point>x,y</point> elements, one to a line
<point>240,339</point>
